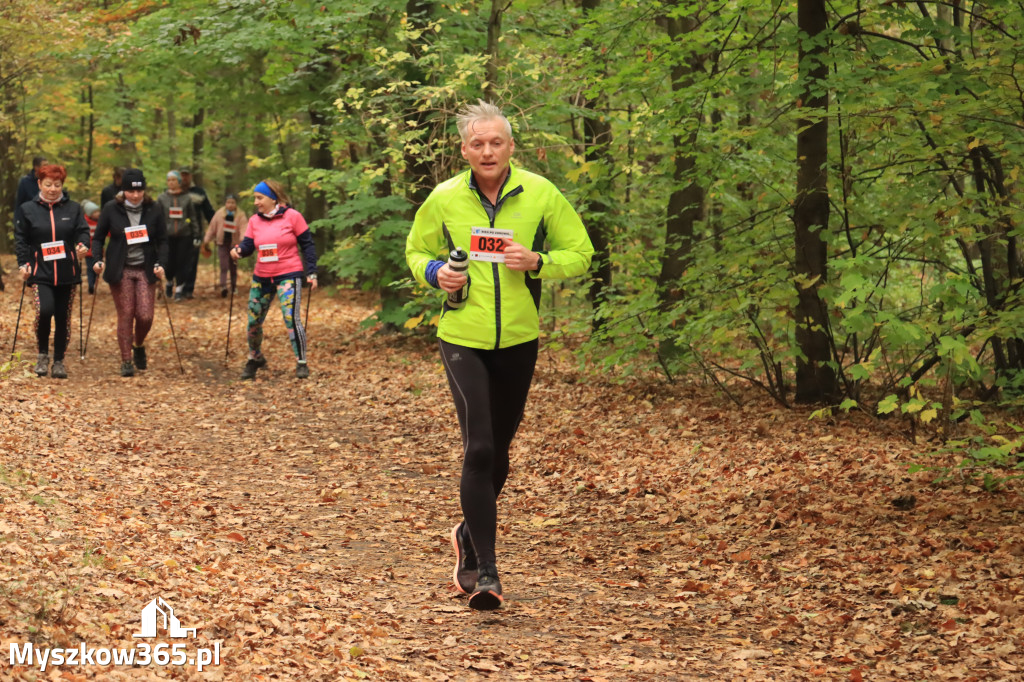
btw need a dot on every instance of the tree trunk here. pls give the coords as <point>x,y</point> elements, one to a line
<point>198,141</point>
<point>10,170</point>
<point>816,378</point>
<point>172,134</point>
<point>320,158</point>
<point>597,139</point>
<point>493,38</point>
<point>126,144</point>
<point>90,137</point>
<point>686,202</point>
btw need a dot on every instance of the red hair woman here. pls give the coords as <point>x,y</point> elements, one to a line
<point>50,237</point>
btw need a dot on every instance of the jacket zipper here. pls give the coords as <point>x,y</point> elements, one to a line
<point>53,237</point>
<point>492,216</point>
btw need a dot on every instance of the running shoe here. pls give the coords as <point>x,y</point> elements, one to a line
<point>58,371</point>
<point>465,574</point>
<point>127,369</point>
<point>487,593</point>
<point>301,370</point>
<point>139,356</point>
<point>249,371</point>
<point>43,365</point>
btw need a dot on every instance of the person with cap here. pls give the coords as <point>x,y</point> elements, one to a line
<point>204,211</point>
<point>225,231</point>
<point>50,238</point>
<point>92,214</point>
<point>514,229</point>
<point>182,222</point>
<point>286,256</point>
<point>138,246</point>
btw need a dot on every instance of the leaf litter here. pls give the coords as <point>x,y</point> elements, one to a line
<point>647,532</point>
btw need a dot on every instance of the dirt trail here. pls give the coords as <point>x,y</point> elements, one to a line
<point>647,533</point>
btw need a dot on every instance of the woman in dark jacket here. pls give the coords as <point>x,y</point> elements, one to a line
<point>138,245</point>
<point>50,237</point>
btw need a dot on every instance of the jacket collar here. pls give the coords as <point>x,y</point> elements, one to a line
<point>64,198</point>
<point>511,181</point>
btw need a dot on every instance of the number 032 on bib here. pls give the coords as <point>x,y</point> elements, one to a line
<point>488,244</point>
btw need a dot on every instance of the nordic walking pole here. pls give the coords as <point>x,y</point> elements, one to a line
<point>306,323</point>
<point>17,324</point>
<point>81,343</point>
<point>227,344</point>
<point>173,337</point>
<point>92,309</point>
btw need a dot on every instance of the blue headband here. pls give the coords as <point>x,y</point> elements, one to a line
<point>264,189</point>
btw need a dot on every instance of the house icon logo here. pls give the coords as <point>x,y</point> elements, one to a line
<point>156,612</point>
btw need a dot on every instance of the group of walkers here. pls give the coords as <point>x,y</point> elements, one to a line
<point>486,237</point>
<point>132,241</point>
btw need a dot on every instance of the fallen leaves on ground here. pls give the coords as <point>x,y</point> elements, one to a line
<point>647,532</point>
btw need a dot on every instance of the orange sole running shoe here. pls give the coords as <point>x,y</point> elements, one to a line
<point>487,594</point>
<point>465,574</point>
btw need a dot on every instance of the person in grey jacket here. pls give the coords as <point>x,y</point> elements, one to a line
<point>182,229</point>
<point>50,238</point>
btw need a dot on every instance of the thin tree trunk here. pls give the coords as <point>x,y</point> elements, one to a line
<point>172,134</point>
<point>597,138</point>
<point>686,202</point>
<point>320,158</point>
<point>198,140</point>
<point>816,378</point>
<point>493,38</point>
<point>91,137</point>
<point>127,141</point>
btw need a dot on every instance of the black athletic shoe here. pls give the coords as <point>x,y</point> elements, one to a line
<point>43,365</point>
<point>127,369</point>
<point>58,371</point>
<point>465,574</point>
<point>223,292</point>
<point>301,370</point>
<point>249,371</point>
<point>139,356</point>
<point>487,593</point>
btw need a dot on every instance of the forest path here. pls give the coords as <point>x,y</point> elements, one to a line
<point>646,533</point>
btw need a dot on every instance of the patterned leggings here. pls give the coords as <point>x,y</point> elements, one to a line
<point>54,303</point>
<point>134,299</point>
<point>289,293</point>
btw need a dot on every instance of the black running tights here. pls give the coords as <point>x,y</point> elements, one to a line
<point>490,389</point>
<point>54,303</point>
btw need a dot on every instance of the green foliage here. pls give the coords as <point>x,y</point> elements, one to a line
<point>922,292</point>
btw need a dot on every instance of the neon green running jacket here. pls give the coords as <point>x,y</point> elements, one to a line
<point>502,308</point>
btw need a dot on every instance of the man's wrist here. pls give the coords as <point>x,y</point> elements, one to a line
<point>540,263</point>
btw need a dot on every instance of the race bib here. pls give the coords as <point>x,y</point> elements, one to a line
<point>176,213</point>
<point>487,244</point>
<point>229,226</point>
<point>136,235</point>
<point>53,251</point>
<point>268,253</point>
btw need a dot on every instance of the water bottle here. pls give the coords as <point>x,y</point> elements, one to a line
<point>458,261</point>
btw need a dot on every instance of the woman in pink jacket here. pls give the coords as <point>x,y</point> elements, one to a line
<point>286,257</point>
